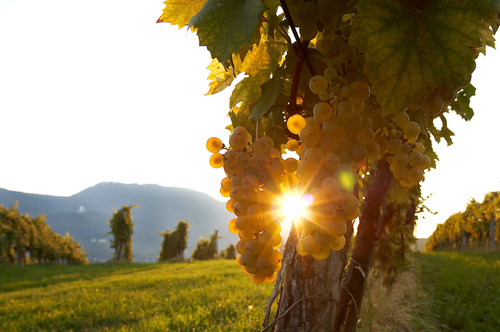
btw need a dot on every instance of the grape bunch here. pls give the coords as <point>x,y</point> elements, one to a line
<point>255,177</point>
<point>347,88</point>
<point>406,158</point>
<point>335,142</point>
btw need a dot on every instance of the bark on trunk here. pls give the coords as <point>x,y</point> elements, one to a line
<point>309,290</point>
<point>465,240</point>
<point>21,257</point>
<point>368,233</point>
<point>119,251</point>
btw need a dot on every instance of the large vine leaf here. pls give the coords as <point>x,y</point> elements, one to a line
<point>225,26</point>
<point>412,47</point>
<point>179,12</point>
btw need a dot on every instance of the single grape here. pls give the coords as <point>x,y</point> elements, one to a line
<point>330,73</point>
<point>310,135</point>
<point>448,94</point>
<point>415,158</point>
<point>322,111</point>
<point>401,119</point>
<point>216,160</point>
<point>415,174</point>
<point>322,253</point>
<point>411,129</point>
<point>313,157</point>
<point>238,141</point>
<point>230,158</point>
<point>261,145</point>
<point>295,123</point>
<point>318,84</point>
<point>419,147</point>
<point>337,243</point>
<point>291,165</point>
<point>433,104</point>
<point>360,90</point>
<point>331,161</point>
<point>214,144</point>
<point>345,109</point>
<point>292,144</point>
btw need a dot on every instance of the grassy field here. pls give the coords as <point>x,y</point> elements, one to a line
<point>211,296</point>
<point>443,292</point>
<point>463,289</point>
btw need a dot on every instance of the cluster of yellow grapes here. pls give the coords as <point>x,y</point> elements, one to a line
<point>335,141</point>
<point>255,177</point>
<point>406,157</point>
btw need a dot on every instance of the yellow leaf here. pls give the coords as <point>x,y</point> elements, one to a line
<point>221,77</point>
<point>180,12</point>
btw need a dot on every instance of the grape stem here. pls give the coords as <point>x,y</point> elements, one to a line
<point>303,44</point>
<point>280,30</point>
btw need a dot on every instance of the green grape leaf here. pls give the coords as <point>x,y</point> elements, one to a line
<point>246,91</point>
<point>225,26</point>
<point>412,47</point>
<point>179,12</point>
<point>461,105</point>
<point>271,90</point>
<point>239,117</point>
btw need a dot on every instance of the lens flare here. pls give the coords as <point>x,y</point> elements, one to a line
<point>294,205</point>
<point>346,180</point>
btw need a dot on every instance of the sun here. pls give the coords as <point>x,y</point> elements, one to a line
<point>293,205</point>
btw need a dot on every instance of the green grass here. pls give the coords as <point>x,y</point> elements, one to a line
<point>210,296</point>
<point>463,289</point>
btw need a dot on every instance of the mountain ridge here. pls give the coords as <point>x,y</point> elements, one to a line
<point>85,215</point>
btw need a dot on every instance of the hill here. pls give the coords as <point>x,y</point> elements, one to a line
<point>85,216</point>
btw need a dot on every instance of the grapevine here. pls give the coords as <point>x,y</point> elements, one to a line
<point>351,90</point>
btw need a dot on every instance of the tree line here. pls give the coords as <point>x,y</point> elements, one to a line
<point>173,245</point>
<point>27,240</point>
<point>476,227</point>
<point>30,240</point>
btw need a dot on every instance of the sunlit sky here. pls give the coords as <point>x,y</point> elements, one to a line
<point>96,91</point>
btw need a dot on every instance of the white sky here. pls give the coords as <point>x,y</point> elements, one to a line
<point>97,91</point>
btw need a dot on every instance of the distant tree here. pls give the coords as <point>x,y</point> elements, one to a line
<point>206,249</point>
<point>174,243</point>
<point>122,229</point>
<point>30,240</point>
<point>474,228</point>
<point>229,252</point>
<point>8,233</point>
